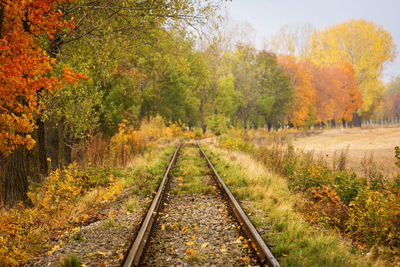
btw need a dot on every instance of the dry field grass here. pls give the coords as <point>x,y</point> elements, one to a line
<point>367,147</point>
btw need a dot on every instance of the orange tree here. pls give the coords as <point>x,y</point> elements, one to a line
<point>25,72</point>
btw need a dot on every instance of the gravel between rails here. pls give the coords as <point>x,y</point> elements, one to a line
<point>197,230</point>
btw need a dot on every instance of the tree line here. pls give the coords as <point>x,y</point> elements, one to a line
<point>75,69</point>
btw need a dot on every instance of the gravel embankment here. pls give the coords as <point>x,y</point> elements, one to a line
<point>104,241</point>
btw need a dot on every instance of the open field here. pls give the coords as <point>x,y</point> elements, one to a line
<point>365,145</point>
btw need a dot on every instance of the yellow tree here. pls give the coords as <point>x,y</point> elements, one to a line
<point>367,46</point>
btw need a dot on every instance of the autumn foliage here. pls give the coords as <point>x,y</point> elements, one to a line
<point>26,70</point>
<point>323,92</point>
<point>301,78</point>
<point>56,206</point>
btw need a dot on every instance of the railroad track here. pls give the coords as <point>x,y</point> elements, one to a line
<point>204,218</point>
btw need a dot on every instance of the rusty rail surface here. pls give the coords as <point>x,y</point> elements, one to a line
<point>262,250</point>
<point>136,250</point>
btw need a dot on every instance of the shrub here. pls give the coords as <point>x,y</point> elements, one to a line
<point>374,218</point>
<point>234,143</point>
<point>326,208</point>
<point>347,185</point>
<point>217,123</point>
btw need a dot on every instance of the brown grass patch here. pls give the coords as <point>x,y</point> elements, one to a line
<point>364,145</point>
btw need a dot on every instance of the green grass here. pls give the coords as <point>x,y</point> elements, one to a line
<point>191,171</point>
<point>292,240</point>
<point>132,204</point>
<point>109,223</point>
<point>145,172</point>
<point>71,261</point>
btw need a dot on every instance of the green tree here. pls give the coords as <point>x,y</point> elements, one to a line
<point>275,90</point>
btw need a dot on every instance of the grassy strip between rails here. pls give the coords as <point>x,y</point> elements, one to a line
<point>70,198</point>
<point>292,240</point>
<point>191,170</point>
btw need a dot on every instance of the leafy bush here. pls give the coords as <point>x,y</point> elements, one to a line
<point>348,185</point>
<point>234,143</point>
<point>374,218</point>
<point>217,123</point>
<point>326,208</point>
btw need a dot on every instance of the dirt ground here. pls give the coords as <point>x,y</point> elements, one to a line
<point>368,148</point>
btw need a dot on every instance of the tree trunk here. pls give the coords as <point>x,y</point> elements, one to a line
<point>13,177</point>
<point>356,120</point>
<point>41,143</point>
<point>61,145</point>
<point>269,125</point>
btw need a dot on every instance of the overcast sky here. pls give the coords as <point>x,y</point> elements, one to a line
<point>267,16</point>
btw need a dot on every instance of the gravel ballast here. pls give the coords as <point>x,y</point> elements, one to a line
<point>197,229</point>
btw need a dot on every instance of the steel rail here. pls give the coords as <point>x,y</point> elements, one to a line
<point>262,250</point>
<point>136,250</point>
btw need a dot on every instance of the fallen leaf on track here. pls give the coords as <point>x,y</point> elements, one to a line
<point>190,251</point>
<point>53,249</point>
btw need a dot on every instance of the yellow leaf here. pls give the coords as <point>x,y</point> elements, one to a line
<point>180,178</point>
<point>53,249</point>
<point>238,241</point>
<point>163,227</point>
<point>223,249</point>
<point>193,237</point>
<point>195,226</point>
<point>190,243</point>
<point>204,245</point>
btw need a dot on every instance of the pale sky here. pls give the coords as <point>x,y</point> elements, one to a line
<point>267,16</point>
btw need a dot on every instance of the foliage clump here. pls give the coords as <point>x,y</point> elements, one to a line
<point>365,209</point>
